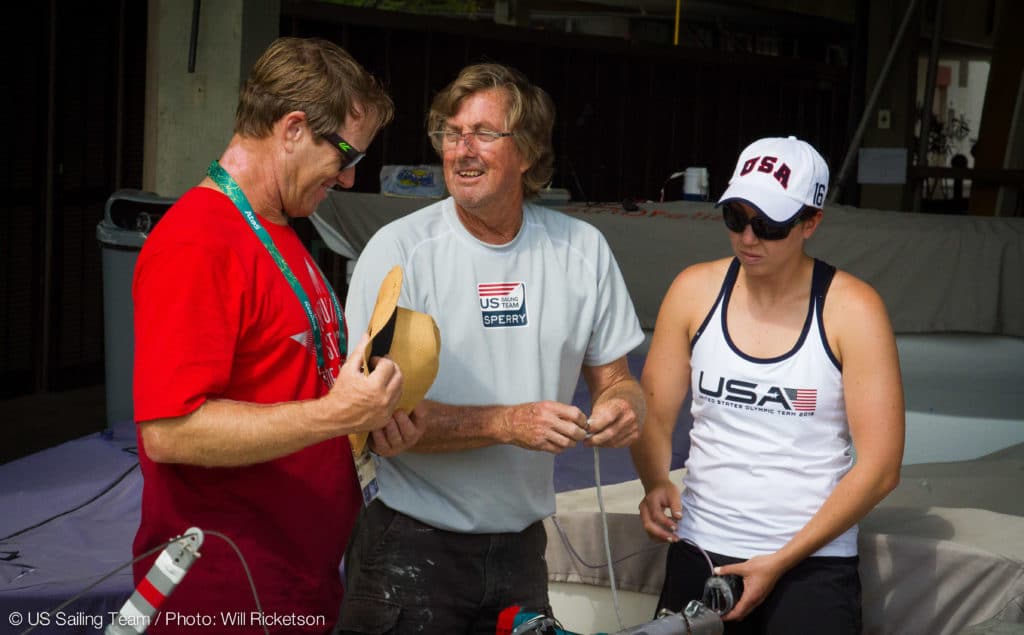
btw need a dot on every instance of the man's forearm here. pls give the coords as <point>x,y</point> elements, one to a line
<point>452,428</point>
<point>223,433</point>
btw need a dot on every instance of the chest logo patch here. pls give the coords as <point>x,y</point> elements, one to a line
<point>503,304</point>
<point>746,395</point>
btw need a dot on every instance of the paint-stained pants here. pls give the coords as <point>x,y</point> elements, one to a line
<point>403,576</point>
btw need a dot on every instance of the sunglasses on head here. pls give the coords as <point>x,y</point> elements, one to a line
<point>349,155</point>
<point>736,221</point>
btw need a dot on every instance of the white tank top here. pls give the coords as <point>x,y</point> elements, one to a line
<point>770,438</point>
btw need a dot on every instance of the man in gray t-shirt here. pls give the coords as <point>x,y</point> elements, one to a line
<point>526,299</point>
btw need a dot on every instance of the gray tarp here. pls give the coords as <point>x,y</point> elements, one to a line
<point>935,273</point>
<point>942,555</point>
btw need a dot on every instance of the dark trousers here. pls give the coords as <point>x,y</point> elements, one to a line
<point>402,576</point>
<point>821,595</point>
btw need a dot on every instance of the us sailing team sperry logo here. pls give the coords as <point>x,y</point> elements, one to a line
<point>502,304</point>
<point>747,395</point>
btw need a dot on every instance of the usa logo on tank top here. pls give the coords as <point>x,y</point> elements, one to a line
<point>747,395</point>
<point>502,304</point>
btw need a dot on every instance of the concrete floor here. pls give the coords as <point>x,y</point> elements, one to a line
<point>35,422</point>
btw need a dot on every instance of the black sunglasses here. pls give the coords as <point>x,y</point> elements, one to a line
<point>736,221</point>
<point>349,155</point>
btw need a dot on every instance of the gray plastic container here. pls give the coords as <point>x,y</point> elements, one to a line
<point>129,217</point>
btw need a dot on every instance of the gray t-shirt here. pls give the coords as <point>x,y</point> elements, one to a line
<point>517,322</point>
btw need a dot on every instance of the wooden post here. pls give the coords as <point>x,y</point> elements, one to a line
<point>1000,104</point>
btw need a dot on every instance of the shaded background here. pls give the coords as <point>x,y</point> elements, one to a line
<point>631,110</point>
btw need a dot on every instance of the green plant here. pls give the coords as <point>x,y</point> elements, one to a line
<point>944,137</point>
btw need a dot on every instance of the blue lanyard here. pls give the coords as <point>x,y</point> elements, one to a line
<point>221,177</point>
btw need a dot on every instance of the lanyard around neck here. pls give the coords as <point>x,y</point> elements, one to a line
<point>233,191</point>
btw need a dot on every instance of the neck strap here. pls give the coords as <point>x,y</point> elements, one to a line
<point>233,191</point>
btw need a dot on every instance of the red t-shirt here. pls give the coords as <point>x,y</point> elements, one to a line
<point>216,319</point>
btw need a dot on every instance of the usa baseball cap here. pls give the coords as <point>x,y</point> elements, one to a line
<point>778,176</point>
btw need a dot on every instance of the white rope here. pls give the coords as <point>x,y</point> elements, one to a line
<point>607,542</point>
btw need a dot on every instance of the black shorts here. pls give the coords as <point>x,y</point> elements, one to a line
<point>403,576</point>
<point>821,595</point>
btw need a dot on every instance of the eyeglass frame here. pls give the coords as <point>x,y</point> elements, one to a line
<point>763,227</point>
<point>350,156</point>
<point>485,137</point>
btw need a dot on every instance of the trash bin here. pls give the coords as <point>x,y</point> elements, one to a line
<point>129,217</point>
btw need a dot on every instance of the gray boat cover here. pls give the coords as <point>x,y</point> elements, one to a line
<point>943,554</point>
<point>936,273</point>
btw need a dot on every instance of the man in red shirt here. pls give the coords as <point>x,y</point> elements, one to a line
<point>243,393</point>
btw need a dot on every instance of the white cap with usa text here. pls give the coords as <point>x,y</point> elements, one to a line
<point>778,176</point>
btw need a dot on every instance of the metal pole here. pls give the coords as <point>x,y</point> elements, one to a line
<point>926,107</point>
<point>869,108</point>
<point>675,37</point>
<point>193,36</point>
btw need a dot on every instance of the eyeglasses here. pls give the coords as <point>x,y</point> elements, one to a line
<point>349,155</point>
<point>451,138</point>
<point>736,221</point>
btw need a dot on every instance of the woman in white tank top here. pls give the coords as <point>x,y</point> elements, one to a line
<point>792,365</point>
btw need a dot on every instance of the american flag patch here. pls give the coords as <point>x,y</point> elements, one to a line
<point>803,399</point>
<point>496,288</point>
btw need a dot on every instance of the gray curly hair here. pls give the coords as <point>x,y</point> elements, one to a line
<point>531,116</point>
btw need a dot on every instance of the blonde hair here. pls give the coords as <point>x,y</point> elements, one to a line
<point>531,116</point>
<point>314,76</point>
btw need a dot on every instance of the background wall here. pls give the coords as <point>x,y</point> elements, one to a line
<point>628,114</point>
<point>99,99</point>
<point>73,95</point>
<point>190,114</point>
